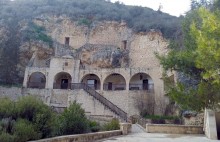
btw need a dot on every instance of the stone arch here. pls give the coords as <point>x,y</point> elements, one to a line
<point>114,81</point>
<point>37,80</point>
<point>62,80</point>
<point>141,81</point>
<point>92,80</point>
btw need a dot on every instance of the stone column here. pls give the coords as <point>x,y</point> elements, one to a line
<point>26,77</point>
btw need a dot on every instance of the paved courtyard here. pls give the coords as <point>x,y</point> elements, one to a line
<point>139,135</point>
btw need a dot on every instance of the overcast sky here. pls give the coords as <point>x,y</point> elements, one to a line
<point>173,7</point>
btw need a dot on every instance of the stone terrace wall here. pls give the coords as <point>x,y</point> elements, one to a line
<point>174,129</point>
<point>83,137</point>
<point>124,99</point>
<point>13,92</point>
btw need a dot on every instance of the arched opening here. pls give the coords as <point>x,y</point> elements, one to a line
<point>114,82</point>
<point>37,80</point>
<point>141,81</point>
<point>62,81</point>
<point>92,81</point>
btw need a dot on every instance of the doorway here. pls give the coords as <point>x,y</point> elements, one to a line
<point>109,85</point>
<point>145,84</point>
<point>64,84</point>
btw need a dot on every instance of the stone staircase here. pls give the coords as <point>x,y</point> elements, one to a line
<point>115,110</point>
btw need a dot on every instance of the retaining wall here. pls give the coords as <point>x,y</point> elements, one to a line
<point>125,128</point>
<point>174,129</point>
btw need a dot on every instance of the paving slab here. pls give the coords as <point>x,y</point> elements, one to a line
<point>139,135</point>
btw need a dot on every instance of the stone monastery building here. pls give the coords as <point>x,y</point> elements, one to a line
<point>108,69</point>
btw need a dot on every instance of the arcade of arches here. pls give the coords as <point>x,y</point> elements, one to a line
<point>115,81</point>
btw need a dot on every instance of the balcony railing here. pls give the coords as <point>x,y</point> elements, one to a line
<point>100,98</point>
<point>147,87</point>
<point>62,86</point>
<point>114,87</point>
<point>37,85</point>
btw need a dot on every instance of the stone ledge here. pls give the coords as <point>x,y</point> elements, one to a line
<point>174,129</point>
<point>82,137</point>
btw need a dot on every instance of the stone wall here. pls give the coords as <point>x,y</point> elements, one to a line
<point>83,137</point>
<point>43,94</point>
<point>194,120</point>
<point>174,129</point>
<point>57,98</point>
<point>90,104</point>
<point>127,100</point>
<point>125,128</point>
<point>11,92</point>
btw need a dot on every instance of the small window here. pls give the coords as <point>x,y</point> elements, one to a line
<point>124,42</point>
<point>67,40</point>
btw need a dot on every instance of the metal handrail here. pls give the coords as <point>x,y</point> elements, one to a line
<point>114,87</point>
<point>100,98</point>
<point>38,85</point>
<point>147,87</point>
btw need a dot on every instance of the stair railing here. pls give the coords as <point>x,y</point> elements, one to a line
<point>100,98</point>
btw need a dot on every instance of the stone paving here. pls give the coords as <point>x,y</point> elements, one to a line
<point>139,135</point>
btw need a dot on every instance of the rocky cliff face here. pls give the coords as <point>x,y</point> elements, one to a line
<point>102,56</point>
<point>98,45</point>
<point>40,50</point>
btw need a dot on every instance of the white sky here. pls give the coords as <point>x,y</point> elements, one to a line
<point>173,7</point>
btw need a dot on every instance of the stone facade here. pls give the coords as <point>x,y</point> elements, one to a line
<point>138,76</point>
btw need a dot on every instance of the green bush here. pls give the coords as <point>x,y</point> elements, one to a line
<point>7,124</point>
<point>160,117</point>
<point>113,125</point>
<point>35,111</point>
<point>157,119</point>
<point>94,126</point>
<point>27,119</point>
<point>72,121</point>
<point>7,108</point>
<point>6,137</point>
<point>25,131</point>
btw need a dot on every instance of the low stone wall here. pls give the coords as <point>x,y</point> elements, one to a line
<point>174,129</point>
<point>197,120</point>
<point>83,137</point>
<point>125,128</point>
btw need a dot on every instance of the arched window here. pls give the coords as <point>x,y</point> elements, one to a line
<point>114,81</point>
<point>37,80</point>
<point>141,81</point>
<point>62,81</point>
<point>92,81</point>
